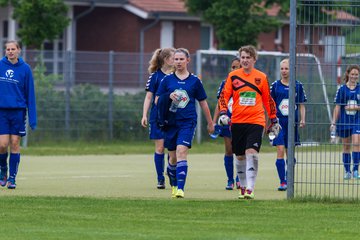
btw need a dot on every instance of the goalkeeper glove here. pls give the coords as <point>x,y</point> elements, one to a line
<point>274,127</point>
<point>224,119</point>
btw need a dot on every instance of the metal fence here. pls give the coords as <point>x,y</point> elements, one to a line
<point>329,30</point>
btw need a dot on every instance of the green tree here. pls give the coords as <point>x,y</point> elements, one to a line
<point>237,22</point>
<point>40,20</point>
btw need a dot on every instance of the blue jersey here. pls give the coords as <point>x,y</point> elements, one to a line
<point>17,88</point>
<point>151,86</point>
<point>280,93</point>
<point>190,89</point>
<point>345,96</point>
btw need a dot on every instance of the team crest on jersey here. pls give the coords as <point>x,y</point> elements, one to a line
<point>257,81</point>
<point>9,73</point>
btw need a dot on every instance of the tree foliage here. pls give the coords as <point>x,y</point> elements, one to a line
<point>39,20</point>
<point>237,22</point>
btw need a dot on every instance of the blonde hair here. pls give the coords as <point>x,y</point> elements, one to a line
<point>249,49</point>
<point>285,60</point>
<point>158,57</point>
<point>348,70</point>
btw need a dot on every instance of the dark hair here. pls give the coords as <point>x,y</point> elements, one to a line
<point>348,70</point>
<point>13,41</point>
<point>184,51</point>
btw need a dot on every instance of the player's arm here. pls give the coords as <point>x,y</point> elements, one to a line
<point>216,113</point>
<point>146,107</point>
<point>335,115</point>
<point>223,101</point>
<point>268,101</point>
<point>302,115</point>
<point>205,107</point>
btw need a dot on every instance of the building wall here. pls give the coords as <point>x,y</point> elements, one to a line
<point>187,35</point>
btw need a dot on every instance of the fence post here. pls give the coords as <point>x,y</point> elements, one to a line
<point>291,130</point>
<point>68,79</point>
<point>198,109</point>
<point>111,93</point>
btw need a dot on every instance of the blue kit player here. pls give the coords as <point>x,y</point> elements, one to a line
<point>182,88</point>
<point>279,91</point>
<point>17,95</point>
<point>224,131</point>
<point>161,63</point>
<point>346,120</point>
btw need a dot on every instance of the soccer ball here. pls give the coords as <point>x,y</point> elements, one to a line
<point>224,120</point>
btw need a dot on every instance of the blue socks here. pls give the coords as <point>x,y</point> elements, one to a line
<point>281,169</point>
<point>347,161</point>
<point>181,173</point>
<point>14,164</point>
<point>3,162</point>
<point>229,167</point>
<point>171,172</point>
<point>159,165</point>
<point>356,157</point>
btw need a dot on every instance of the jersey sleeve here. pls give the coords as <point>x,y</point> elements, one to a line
<point>220,89</point>
<point>268,101</point>
<point>301,96</point>
<point>151,83</point>
<point>200,93</point>
<point>225,95</point>
<point>337,99</point>
<point>273,90</point>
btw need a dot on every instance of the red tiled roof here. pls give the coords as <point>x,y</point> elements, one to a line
<point>160,5</point>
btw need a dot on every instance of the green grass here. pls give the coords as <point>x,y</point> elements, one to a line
<point>92,218</point>
<point>106,191</point>
<point>116,148</point>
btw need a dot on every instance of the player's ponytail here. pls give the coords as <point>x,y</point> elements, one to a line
<point>157,59</point>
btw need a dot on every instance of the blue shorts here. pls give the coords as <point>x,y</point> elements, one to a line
<point>344,133</point>
<point>155,132</point>
<point>13,122</point>
<point>225,131</point>
<point>181,134</point>
<point>282,138</point>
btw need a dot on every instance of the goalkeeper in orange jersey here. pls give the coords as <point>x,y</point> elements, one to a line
<point>250,91</point>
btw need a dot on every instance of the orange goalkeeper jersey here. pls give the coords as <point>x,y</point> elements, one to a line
<point>251,95</point>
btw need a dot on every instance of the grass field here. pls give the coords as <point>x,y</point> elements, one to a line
<point>113,196</point>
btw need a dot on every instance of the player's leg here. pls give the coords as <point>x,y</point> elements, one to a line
<point>356,154</point>
<point>4,143</point>
<point>158,136</point>
<point>281,167</point>
<point>280,163</point>
<point>159,162</point>
<point>14,160</point>
<point>253,145</point>
<point>170,145</point>
<point>238,147</point>
<point>183,144</point>
<point>229,163</point>
<point>346,156</point>
<point>171,172</point>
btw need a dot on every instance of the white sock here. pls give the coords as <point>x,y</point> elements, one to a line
<point>251,170</point>
<point>241,171</point>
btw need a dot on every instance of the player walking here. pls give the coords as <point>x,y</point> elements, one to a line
<point>17,94</point>
<point>346,120</point>
<point>161,63</point>
<point>280,93</point>
<point>250,90</point>
<point>224,131</point>
<point>184,88</point>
